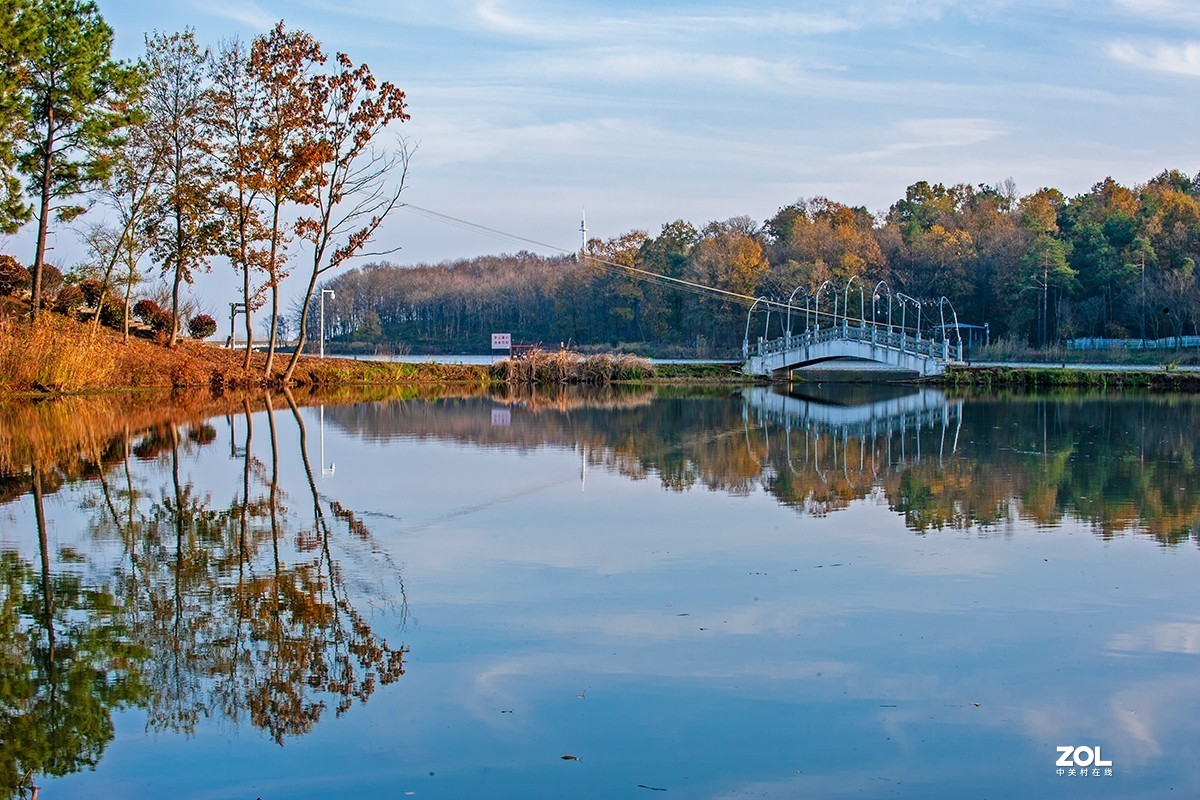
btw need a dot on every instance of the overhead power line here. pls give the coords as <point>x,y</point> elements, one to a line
<point>613,266</point>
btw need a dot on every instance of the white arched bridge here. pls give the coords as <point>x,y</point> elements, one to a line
<point>914,345</point>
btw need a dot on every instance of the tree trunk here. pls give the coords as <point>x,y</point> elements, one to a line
<point>273,266</point>
<point>303,336</point>
<point>246,310</point>
<point>125,316</point>
<point>39,256</point>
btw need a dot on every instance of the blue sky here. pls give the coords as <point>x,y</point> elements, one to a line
<point>524,111</point>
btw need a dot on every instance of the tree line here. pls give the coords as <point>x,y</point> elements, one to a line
<point>238,151</point>
<point>1114,261</point>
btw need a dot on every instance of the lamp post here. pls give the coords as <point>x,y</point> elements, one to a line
<point>817,305</point>
<point>746,337</point>
<point>788,332</point>
<point>332,296</point>
<point>904,301</point>
<point>861,301</point>
<point>945,301</point>
<point>875,297</point>
<point>234,310</point>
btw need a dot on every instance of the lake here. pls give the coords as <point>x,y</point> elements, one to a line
<point>738,592</point>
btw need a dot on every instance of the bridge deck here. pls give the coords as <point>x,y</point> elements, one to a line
<point>777,357</point>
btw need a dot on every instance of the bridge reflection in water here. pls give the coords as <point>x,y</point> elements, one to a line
<point>862,432</point>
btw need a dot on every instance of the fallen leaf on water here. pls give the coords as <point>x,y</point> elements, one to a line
<point>506,711</point>
<point>570,758</point>
<point>651,788</point>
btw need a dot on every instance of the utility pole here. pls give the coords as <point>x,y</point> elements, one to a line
<point>1045,300</point>
<point>1143,297</point>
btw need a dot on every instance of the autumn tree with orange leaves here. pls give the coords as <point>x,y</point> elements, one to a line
<point>356,185</point>
<point>286,147</point>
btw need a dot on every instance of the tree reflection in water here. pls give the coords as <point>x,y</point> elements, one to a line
<point>210,612</point>
<point>1121,462</point>
<point>241,608</point>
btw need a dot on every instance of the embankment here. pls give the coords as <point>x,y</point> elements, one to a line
<point>1092,376</point>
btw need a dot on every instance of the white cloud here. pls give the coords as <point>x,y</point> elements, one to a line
<point>1178,59</point>
<point>1175,11</point>
<point>541,24</point>
<point>948,131</point>
<point>249,14</point>
<point>933,132</point>
<point>1166,637</point>
<point>674,66</point>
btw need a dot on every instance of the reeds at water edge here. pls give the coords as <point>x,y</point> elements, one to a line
<point>543,367</point>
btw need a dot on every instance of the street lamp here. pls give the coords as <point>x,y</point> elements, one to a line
<point>746,337</point>
<point>788,332</point>
<point>234,310</point>
<point>332,296</point>
<point>817,304</point>
<point>904,301</point>
<point>875,297</point>
<point>861,300</point>
<point>945,301</point>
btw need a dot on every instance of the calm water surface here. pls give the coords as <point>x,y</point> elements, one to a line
<point>868,593</point>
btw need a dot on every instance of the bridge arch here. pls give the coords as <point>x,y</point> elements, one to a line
<point>901,347</point>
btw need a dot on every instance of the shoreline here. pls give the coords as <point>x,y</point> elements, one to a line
<point>1091,376</point>
<point>192,373</point>
<point>65,358</point>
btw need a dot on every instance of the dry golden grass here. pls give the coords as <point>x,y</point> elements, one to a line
<point>55,355</point>
<point>542,368</point>
<point>60,355</point>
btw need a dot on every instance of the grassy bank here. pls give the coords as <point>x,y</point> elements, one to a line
<point>1049,377</point>
<point>63,356</point>
<point>59,355</point>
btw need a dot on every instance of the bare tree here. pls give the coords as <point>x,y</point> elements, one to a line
<point>137,169</point>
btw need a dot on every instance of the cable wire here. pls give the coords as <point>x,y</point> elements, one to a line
<point>652,277</point>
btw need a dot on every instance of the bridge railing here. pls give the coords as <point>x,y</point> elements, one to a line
<point>877,335</point>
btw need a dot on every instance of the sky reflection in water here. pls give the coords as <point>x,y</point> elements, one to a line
<point>721,595</point>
